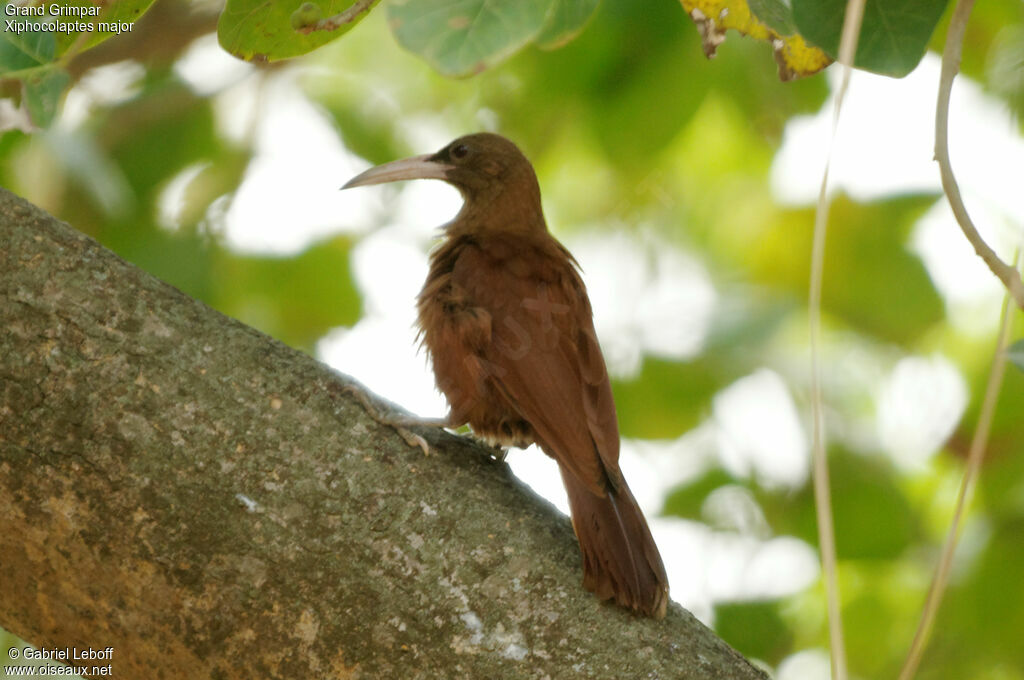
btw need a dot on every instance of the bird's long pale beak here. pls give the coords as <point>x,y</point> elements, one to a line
<point>417,167</point>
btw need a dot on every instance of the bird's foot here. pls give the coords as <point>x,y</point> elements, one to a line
<point>399,422</point>
<point>498,450</point>
<point>500,453</point>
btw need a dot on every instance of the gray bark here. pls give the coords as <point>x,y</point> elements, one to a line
<point>212,504</point>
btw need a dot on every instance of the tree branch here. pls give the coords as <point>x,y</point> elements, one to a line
<point>950,65</point>
<point>208,502</point>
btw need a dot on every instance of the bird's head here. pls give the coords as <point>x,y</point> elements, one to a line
<point>496,180</point>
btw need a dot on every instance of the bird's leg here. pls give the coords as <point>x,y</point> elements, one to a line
<point>399,422</point>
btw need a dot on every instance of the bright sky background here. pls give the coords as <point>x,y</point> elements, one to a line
<point>290,198</point>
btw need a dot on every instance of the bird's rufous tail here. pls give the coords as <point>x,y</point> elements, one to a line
<point>620,558</point>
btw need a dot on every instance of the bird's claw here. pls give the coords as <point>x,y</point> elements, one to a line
<point>413,439</point>
<point>394,421</point>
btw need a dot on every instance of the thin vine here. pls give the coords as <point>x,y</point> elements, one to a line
<point>822,494</point>
<point>950,65</point>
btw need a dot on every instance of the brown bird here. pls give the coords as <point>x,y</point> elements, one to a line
<point>506,320</point>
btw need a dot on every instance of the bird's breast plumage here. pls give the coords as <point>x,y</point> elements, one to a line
<point>476,332</point>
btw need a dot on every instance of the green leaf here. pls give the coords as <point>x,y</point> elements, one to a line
<point>261,30</point>
<point>1016,354</point>
<point>117,17</point>
<point>42,95</point>
<point>23,49</point>
<point>463,37</point>
<point>775,13</point>
<point>33,51</point>
<point>893,36</point>
<point>566,19</point>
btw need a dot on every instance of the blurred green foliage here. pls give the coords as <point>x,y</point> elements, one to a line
<point>861,296</point>
<point>629,126</point>
<point>36,58</point>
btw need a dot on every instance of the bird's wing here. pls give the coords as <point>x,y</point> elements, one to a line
<point>544,357</point>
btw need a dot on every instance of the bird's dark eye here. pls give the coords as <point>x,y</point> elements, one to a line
<point>459,151</point>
